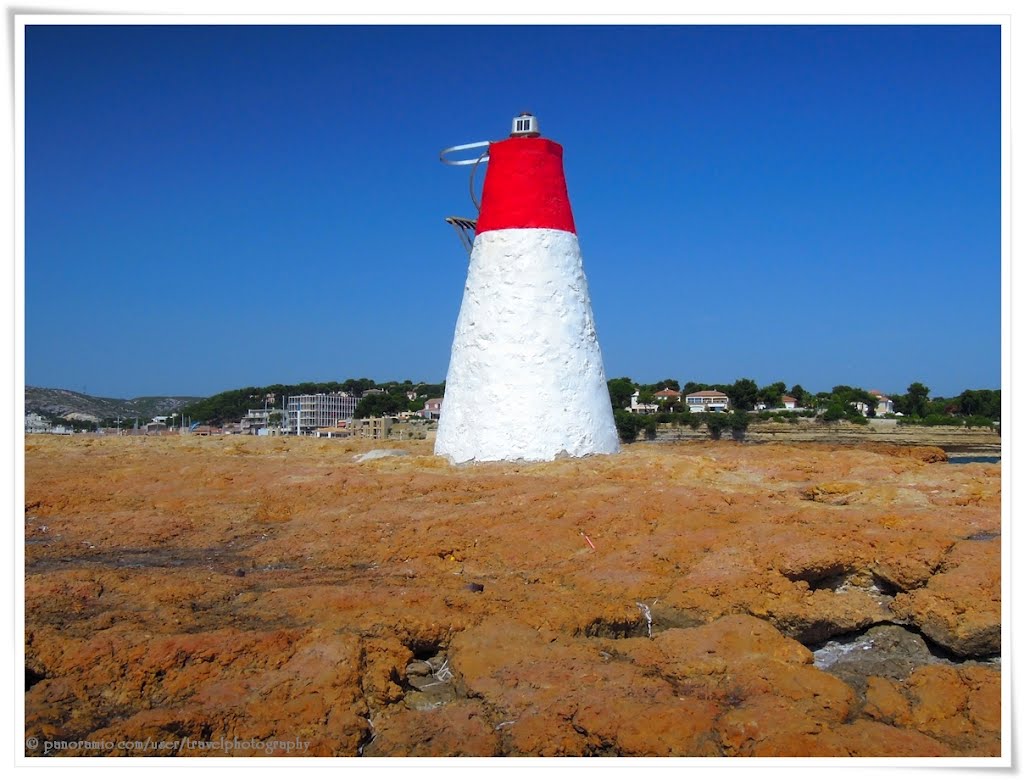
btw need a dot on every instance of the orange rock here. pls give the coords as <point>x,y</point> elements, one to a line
<point>543,734</point>
<point>958,707</point>
<point>984,702</point>
<point>458,729</point>
<point>865,738</point>
<point>258,588</point>
<point>961,606</point>
<point>885,703</point>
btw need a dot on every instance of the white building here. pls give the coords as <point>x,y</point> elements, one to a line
<point>257,421</point>
<point>432,409</point>
<point>640,408</point>
<point>885,405</point>
<point>35,423</point>
<point>308,412</point>
<point>707,401</point>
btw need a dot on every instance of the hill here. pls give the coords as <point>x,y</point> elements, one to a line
<point>50,402</point>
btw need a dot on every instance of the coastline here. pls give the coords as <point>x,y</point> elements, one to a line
<point>953,440</point>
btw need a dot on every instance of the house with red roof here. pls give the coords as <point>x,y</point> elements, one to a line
<point>707,401</point>
<point>885,404</point>
<point>668,397</point>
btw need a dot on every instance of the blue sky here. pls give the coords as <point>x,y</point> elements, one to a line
<point>215,207</point>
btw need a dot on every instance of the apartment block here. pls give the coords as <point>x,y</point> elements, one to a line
<point>306,413</point>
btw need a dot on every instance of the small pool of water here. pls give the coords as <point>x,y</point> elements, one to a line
<point>957,459</point>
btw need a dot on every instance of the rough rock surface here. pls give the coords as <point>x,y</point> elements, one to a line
<point>246,596</point>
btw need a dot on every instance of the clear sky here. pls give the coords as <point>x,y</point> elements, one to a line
<point>215,207</point>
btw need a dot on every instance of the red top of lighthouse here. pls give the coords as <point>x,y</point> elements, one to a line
<point>525,187</point>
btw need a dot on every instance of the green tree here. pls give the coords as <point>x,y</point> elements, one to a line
<point>848,397</point>
<point>357,386</point>
<point>836,410</point>
<point>620,391</point>
<point>742,394</point>
<point>916,400</point>
<point>671,384</point>
<point>942,406</point>
<point>628,425</point>
<point>650,426</point>
<point>803,398</point>
<point>739,421</point>
<point>983,403</point>
<point>771,395</point>
<point>716,423</point>
<point>378,405</point>
<point>430,391</point>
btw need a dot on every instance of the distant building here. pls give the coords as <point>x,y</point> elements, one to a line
<point>789,402</point>
<point>885,404</point>
<point>636,407</point>
<point>337,432</point>
<point>371,427</point>
<point>432,409</point>
<point>707,401</point>
<point>308,412</point>
<point>257,421</point>
<point>35,423</point>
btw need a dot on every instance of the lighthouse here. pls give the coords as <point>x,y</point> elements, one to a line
<point>526,379</point>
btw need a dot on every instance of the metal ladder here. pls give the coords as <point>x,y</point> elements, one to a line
<point>466,228</point>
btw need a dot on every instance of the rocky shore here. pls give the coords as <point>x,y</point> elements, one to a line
<point>983,441</point>
<point>254,596</point>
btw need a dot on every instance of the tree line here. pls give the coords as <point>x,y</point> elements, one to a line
<point>974,408</point>
<point>233,405</point>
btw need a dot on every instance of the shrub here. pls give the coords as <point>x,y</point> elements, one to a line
<point>942,419</point>
<point>627,424</point>
<point>717,422</point>
<point>739,420</point>
<point>650,424</point>
<point>835,411</point>
<point>977,421</point>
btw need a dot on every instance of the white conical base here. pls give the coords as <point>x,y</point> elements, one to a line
<point>526,380</point>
